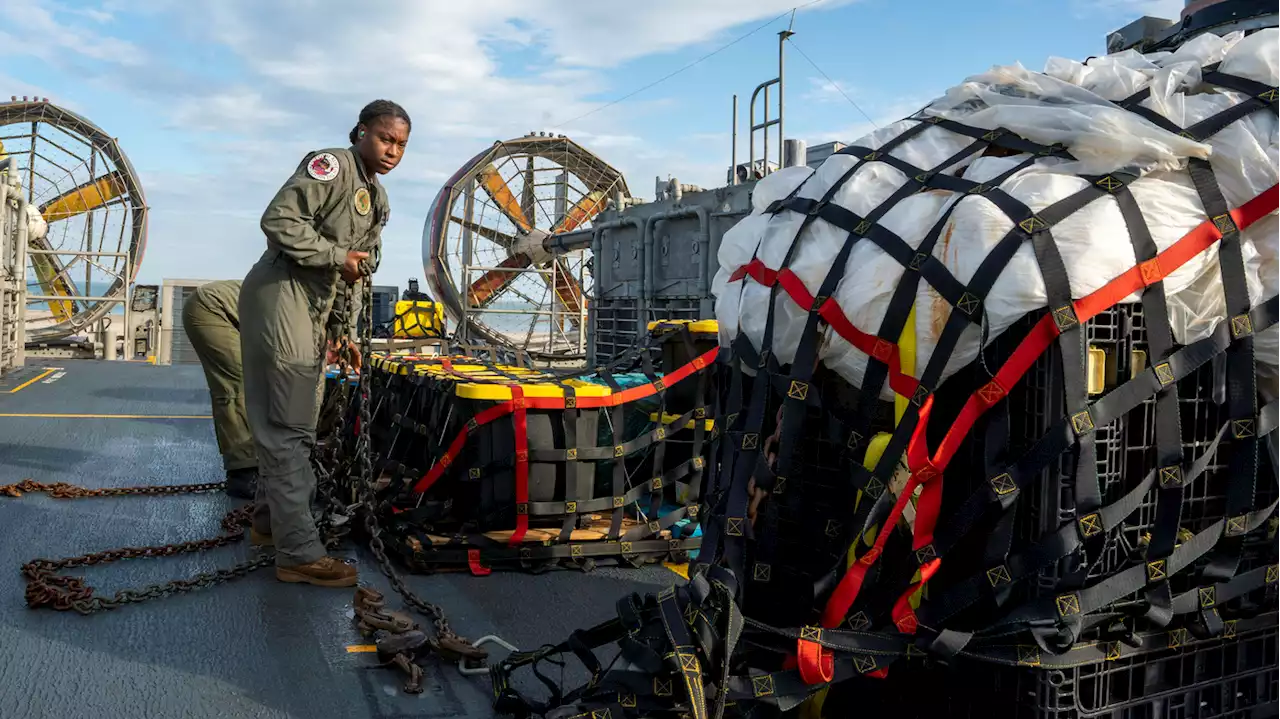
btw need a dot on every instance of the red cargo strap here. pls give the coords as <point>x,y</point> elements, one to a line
<point>830,311</point>
<point>817,664</point>
<point>922,472</point>
<point>473,561</point>
<point>1026,354</point>
<point>459,442</point>
<point>757,270</point>
<point>502,409</point>
<point>818,668</point>
<point>521,425</point>
<point>904,617</point>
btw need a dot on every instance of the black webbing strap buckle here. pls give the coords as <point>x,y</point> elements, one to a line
<point>1225,224</point>
<point>1114,182</point>
<point>1033,224</point>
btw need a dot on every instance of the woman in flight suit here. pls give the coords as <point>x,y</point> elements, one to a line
<point>321,228</point>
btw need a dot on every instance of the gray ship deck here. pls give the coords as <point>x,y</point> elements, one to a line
<point>251,648</point>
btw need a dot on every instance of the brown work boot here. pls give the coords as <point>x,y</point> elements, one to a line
<point>260,539</point>
<point>324,572</point>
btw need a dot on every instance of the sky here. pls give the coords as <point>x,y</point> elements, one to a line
<point>216,101</point>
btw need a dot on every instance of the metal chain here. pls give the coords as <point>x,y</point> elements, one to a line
<point>45,587</point>
<point>364,458</point>
<point>62,490</point>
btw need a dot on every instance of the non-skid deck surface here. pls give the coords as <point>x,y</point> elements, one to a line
<point>251,648</point>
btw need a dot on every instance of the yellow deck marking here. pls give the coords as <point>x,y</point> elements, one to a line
<point>33,380</point>
<point>107,416</point>
<point>681,569</point>
<point>361,648</point>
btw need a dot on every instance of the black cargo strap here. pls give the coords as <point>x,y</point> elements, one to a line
<point>998,596</point>
<point>1087,490</point>
<point>1004,488</point>
<point>477,497</point>
<point>999,580</point>
<point>743,464</point>
<point>673,646</point>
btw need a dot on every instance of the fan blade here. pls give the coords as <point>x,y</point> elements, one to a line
<point>494,281</point>
<point>47,269</point>
<point>502,196</point>
<point>528,196</point>
<point>84,198</point>
<point>568,290</point>
<point>489,234</point>
<point>585,209</point>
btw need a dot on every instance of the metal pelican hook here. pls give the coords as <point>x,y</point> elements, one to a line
<point>484,668</point>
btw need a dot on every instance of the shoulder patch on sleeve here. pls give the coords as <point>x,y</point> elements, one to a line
<point>324,166</point>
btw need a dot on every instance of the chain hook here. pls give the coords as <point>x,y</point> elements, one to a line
<point>466,670</point>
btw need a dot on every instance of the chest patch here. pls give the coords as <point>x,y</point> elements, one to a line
<point>323,167</point>
<point>362,201</point>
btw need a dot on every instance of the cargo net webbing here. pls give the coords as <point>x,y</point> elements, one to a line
<point>900,562</point>
<point>493,466</point>
<point>415,319</point>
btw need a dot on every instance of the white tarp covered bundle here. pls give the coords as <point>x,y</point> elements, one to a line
<point>1070,104</point>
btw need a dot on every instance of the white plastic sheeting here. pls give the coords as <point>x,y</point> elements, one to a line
<point>1072,104</point>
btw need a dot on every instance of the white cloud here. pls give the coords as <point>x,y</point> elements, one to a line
<point>602,35</point>
<point>823,90</point>
<point>13,87</point>
<point>45,31</point>
<point>884,111</point>
<point>468,73</point>
<point>235,108</point>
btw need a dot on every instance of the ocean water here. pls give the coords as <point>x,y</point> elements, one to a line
<point>518,323</point>
<point>95,289</point>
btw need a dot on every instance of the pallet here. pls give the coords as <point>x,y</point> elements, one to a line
<point>597,530</point>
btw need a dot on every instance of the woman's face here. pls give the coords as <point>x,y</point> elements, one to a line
<point>383,143</point>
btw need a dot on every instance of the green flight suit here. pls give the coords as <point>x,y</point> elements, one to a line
<point>330,205</point>
<point>210,317</point>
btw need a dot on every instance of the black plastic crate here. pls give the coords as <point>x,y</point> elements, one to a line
<point>617,323</point>
<point>456,421</point>
<point>807,518</point>
<point>1116,339</point>
<point>676,353</point>
<point>1216,679</point>
<point>807,524</point>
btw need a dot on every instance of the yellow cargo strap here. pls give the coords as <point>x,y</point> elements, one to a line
<point>698,327</point>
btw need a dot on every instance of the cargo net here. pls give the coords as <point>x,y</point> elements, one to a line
<point>414,319</point>
<point>490,466</point>
<point>991,395</point>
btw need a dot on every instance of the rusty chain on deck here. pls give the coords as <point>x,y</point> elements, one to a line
<point>47,588</point>
<point>399,642</point>
<point>398,639</point>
